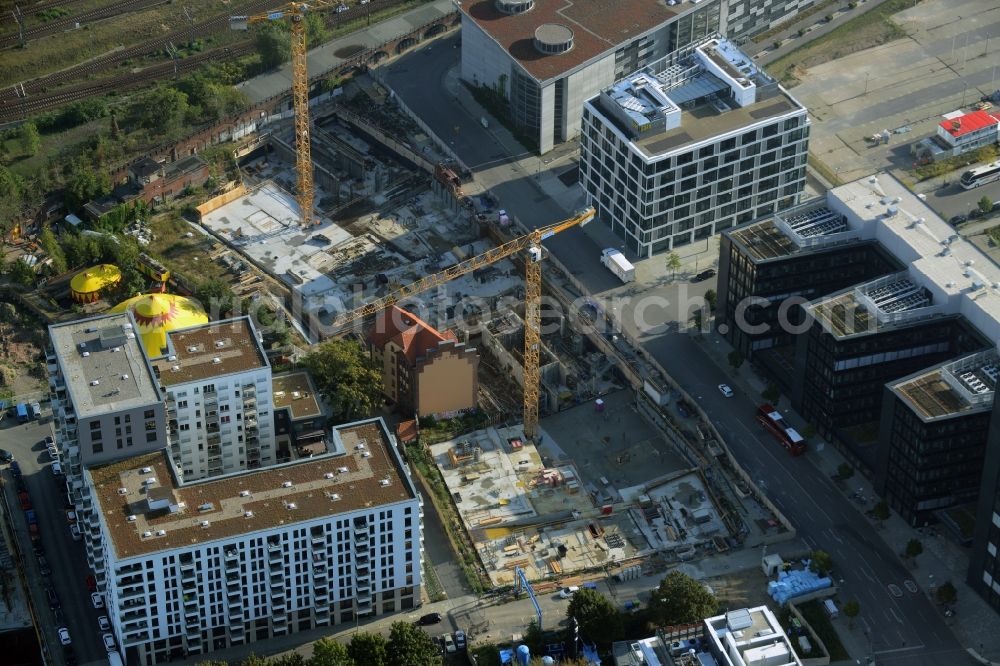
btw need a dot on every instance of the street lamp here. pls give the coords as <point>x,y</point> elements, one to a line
<point>867,76</point>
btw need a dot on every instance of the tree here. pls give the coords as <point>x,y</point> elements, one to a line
<point>673,262</point>
<point>698,319</point>
<point>11,199</point>
<point>844,471</point>
<point>680,599</point>
<point>598,619</point>
<point>821,562</point>
<point>368,649</point>
<point>851,610</point>
<point>711,298</point>
<point>328,652</point>
<point>21,273</point>
<point>51,246</point>
<point>289,659</point>
<point>772,394</point>
<point>985,204</point>
<point>346,377</point>
<point>273,44</point>
<point>162,109</point>
<point>215,296</point>
<point>410,645</point>
<point>913,549</point>
<point>946,593</point>
<point>736,359</point>
<point>28,139</point>
<point>534,637</point>
<point>84,183</point>
<point>881,512</point>
<point>254,660</point>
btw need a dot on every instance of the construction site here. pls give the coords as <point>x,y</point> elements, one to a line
<point>591,496</point>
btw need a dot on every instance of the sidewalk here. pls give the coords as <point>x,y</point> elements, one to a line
<point>975,624</point>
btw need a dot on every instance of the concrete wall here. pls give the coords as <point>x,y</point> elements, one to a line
<point>581,86</point>
<point>483,60</point>
<point>447,380</point>
<point>134,427</point>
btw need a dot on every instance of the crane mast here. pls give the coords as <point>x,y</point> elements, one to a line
<point>532,242</point>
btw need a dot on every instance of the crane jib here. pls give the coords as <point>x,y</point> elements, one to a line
<point>274,16</point>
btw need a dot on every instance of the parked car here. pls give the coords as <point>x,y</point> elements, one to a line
<point>103,623</point>
<point>97,600</point>
<point>71,516</point>
<point>52,597</point>
<point>568,592</point>
<point>109,642</point>
<point>36,410</point>
<point>48,441</point>
<point>43,566</point>
<point>6,456</point>
<point>64,636</point>
<point>438,644</point>
<point>24,499</point>
<point>704,275</point>
<point>15,469</point>
<point>53,452</point>
<point>460,639</point>
<point>57,471</point>
<point>74,532</point>
<point>91,583</point>
<point>430,618</point>
<point>69,655</point>
<point>725,390</point>
<point>958,219</point>
<point>449,643</point>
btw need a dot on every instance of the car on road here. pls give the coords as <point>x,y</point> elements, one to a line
<point>460,639</point>
<point>103,623</point>
<point>109,642</point>
<point>430,618</point>
<point>958,219</point>
<point>704,275</point>
<point>449,643</point>
<point>64,636</point>
<point>6,456</point>
<point>568,592</point>
<point>726,390</point>
<point>97,600</point>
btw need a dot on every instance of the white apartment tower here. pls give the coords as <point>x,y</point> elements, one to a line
<point>696,143</point>
<point>197,566</point>
<point>217,380</point>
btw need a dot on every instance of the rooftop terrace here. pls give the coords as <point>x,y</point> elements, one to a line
<point>295,391</point>
<point>806,227</point>
<point>103,365</point>
<point>952,388</point>
<point>887,301</point>
<point>143,516</point>
<point>211,350</point>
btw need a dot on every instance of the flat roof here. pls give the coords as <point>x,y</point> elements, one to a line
<point>103,365</point>
<point>808,226</point>
<point>750,636</point>
<point>704,121</point>
<point>598,26</point>
<point>215,349</point>
<point>952,388</point>
<point>295,391</point>
<point>273,497</point>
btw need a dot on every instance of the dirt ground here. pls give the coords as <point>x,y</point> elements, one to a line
<point>20,370</point>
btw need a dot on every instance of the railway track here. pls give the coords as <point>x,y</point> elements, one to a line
<point>48,92</point>
<point>16,109</point>
<point>67,22</point>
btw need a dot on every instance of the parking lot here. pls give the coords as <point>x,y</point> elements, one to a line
<point>945,62</point>
<point>65,558</point>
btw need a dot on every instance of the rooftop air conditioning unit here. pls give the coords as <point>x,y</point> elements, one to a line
<point>286,484</point>
<point>95,382</point>
<point>172,357</point>
<point>124,376</point>
<point>146,470</point>
<point>384,482</point>
<point>334,497</point>
<point>204,524</point>
<point>192,349</point>
<point>291,505</point>
<point>131,519</point>
<point>328,475</point>
<point>219,344</point>
<point>161,533</point>
<point>123,491</point>
<point>86,354</point>
<point>366,454</point>
<point>248,514</point>
<point>147,534</point>
<point>244,493</point>
<point>216,359</point>
<point>342,470</point>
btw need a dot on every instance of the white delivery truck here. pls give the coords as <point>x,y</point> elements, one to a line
<point>618,264</point>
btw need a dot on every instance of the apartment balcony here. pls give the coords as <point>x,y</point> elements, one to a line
<point>193,634</point>
<point>212,428</point>
<point>361,557</point>
<point>132,616</point>
<point>192,615</point>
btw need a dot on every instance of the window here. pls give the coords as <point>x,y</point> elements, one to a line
<point>150,437</point>
<point>148,414</point>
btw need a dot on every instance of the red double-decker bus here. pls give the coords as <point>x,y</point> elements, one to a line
<point>787,436</point>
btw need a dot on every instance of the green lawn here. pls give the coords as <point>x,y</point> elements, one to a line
<point>817,618</point>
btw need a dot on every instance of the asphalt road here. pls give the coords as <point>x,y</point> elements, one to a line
<point>907,630</point>
<point>437,548</point>
<point>66,558</point>
<point>951,199</point>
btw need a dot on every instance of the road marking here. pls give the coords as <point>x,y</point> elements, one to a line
<point>833,533</point>
<point>910,648</point>
<point>865,572</point>
<point>896,615</point>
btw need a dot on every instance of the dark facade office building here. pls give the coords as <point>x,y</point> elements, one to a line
<point>859,340</point>
<point>767,268</point>
<point>933,435</point>
<point>984,565</point>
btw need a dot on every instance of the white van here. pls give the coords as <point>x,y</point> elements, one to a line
<point>831,609</point>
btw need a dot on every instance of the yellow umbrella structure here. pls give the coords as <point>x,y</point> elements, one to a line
<point>156,314</point>
<point>87,285</point>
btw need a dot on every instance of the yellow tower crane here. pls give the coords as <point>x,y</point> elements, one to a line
<point>294,13</point>
<point>531,242</point>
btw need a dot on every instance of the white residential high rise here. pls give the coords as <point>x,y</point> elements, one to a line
<point>694,144</point>
<point>218,385</point>
<point>197,566</point>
